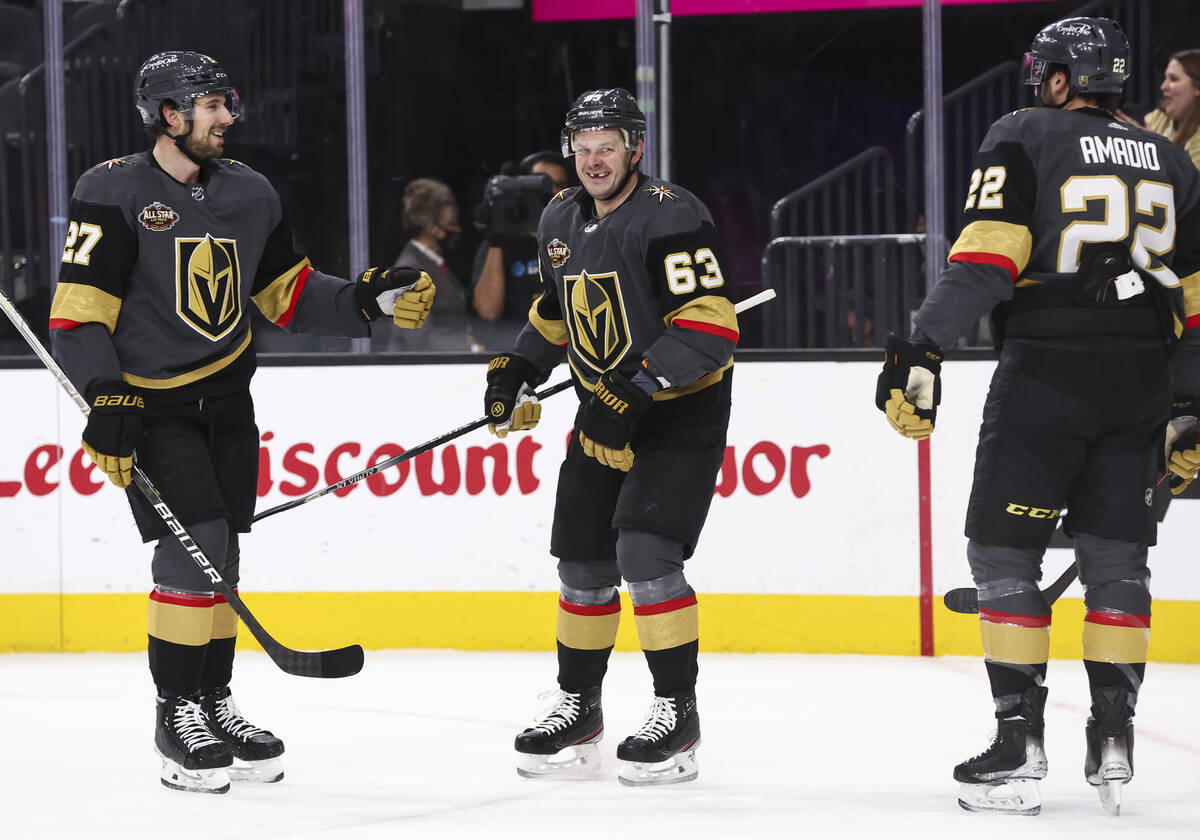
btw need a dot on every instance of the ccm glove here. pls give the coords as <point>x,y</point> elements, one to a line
<point>113,430</point>
<point>608,418</point>
<point>1183,450</point>
<point>509,401</point>
<point>406,293</point>
<point>909,388</point>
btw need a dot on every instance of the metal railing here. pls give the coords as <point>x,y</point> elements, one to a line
<point>842,291</point>
<point>858,196</point>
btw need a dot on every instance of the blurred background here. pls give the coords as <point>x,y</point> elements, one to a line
<point>797,128</point>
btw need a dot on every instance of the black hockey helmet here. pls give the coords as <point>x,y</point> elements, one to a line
<point>605,108</point>
<point>180,78</point>
<point>1094,51</point>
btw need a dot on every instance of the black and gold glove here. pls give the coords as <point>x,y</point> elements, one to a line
<point>113,430</point>
<point>1183,450</point>
<point>909,388</point>
<point>608,419</point>
<point>509,400</point>
<point>405,293</point>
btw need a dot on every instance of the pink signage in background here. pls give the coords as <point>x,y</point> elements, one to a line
<point>549,10</point>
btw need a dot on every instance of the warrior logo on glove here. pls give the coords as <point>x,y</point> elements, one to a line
<point>909,387</point>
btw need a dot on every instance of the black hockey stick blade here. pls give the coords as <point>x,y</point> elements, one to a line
<point>966,599</point>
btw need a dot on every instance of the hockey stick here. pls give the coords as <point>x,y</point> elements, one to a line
<point>966,599</point>
<point>748,303</point>
<point>343,662</point>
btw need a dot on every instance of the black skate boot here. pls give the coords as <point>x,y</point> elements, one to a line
<point>193,759</point>
<point>562,741</point>
<point>255,751</point>
<point>1109,763</point>
<point>1003,778</point>
<point>663,751</point>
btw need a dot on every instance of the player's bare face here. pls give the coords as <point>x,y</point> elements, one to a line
<point>601,161</point>
<point>210,120</point>
<point>1181,96</point>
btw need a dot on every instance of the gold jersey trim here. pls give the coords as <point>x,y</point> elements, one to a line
<point>709,309</point>
<point>666,393</point>
<point>182,625</point>
<point>85,304</point>
<point>277,298</point>
<point>190,376</point>
<point>1010,241</point>
<point>553,331</point>
<point>669,629</point>
<point>1015,644</point>
<point>1121,645</point>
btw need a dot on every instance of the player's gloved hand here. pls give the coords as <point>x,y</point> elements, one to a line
<point>608,419</point>
<point>405,293</point>
<point>509,400</point>
<point>1183,450</point>
<point>909,388</point>
<point>113,430</point>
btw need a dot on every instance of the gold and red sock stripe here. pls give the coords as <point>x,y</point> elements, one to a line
<point>225,620</point>
<point>1115,637</point>
<point>1019,639</point>
<point>667,624</point>
<point>180,617</point>
<point>588,626</point>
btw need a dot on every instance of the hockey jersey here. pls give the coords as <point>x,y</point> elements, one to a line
<point>157,277</point>
<point>640,287</point>
<point>1051,185</point>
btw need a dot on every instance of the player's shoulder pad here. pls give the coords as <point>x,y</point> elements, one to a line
<point>665,206</point>
<point>105,182</point>
<point>565,194</point>
<point>1018,126</point>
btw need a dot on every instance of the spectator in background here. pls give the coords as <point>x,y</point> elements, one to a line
<point>1178,115</point>
<point>504,279</point>
<point>431,222</point>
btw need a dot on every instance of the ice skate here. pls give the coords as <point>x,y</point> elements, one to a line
<point>255,751</point>
<point>663,751</point>
<point>193,759</point>
<point>1108,766</point>
<point>561,743</point>
<point>1003,779</point>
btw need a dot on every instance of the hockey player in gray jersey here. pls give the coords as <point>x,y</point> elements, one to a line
<point>634,300</point>
<point>1082,238</point>
<point>165,251</point>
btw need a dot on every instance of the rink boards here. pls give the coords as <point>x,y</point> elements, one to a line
<point>812,541</point>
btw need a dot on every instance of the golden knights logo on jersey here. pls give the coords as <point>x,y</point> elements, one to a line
<point>208,283</point>
<point>597,322</point>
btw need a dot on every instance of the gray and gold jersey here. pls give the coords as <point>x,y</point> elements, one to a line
<point>157,277</point>
<point>641,287</point>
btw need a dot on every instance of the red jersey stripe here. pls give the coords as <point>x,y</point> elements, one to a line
<point>1114,619</point>
<point>1019,620</point>
<point>705,327</point>
<point>301,279</point>
<point>63,324</point>
<point>665,606</point>
<point>181,599</point>
<point>987,259</point>
<point>589,609</point>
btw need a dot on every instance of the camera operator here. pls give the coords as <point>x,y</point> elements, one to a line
<point>504,278</point>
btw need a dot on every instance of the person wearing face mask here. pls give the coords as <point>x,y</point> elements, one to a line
<point>1178,116</point>
<point>430,214</point>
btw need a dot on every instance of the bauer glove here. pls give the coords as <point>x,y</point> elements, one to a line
<point>608,418</point>
<point>1183,451</point>
<point>113,430</point>
<point>909,388</point>
<point>406,293</point>
<point>509,400</point>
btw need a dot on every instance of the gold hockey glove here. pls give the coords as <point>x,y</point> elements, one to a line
<point>909,388</point>
<point>113,430</point>
<point>1183,451</point>
<point>406,293</point>
<point>509,401</point>
<point>607,420</point>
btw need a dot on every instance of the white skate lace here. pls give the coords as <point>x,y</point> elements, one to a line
<point>191,727</point>
<point>563,711</point>
<point>660,721</point>
<point>230,718</point>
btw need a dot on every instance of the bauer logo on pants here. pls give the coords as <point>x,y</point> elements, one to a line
<point>208,283</point>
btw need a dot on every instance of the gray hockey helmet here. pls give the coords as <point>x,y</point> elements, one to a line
<point>180,78</point>
<point>1094,51</point>
<point>604,108</point>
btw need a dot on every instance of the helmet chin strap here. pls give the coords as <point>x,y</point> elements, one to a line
<point>180,143</point>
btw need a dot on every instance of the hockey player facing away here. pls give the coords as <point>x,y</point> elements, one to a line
<point>634,299</point>
<point>165,251</point>
<point>1082,238</point>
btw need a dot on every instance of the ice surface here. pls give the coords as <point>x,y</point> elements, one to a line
<point>420,745</point>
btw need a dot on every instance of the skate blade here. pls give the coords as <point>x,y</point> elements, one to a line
<point>676,769</point>
<point>581,761</point>
<point>1019,797</point>
<point>267,770</point>
<point>177,777</point>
